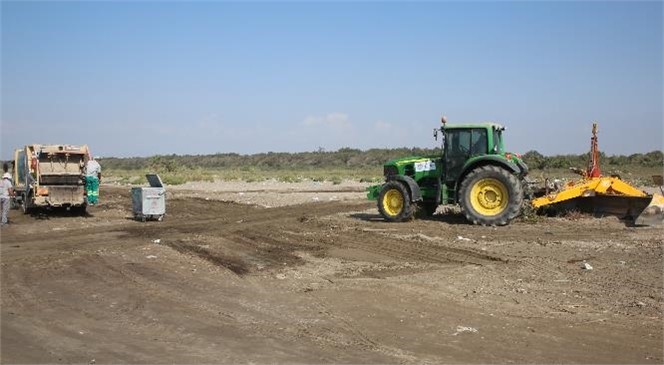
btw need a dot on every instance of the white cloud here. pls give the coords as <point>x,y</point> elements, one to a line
<point>383,126</point>
<point>339,120</point>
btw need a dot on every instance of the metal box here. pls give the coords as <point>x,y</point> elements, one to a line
<point>149,202</point>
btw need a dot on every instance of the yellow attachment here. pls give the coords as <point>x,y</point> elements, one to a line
<point>489,197</point>
<point>393,202</point>
<point>612,186</point>
<point>653,214</point>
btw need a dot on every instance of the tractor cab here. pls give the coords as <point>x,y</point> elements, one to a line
<point>463,143</point>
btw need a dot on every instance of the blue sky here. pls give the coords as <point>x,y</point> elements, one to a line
<point>145,78</point>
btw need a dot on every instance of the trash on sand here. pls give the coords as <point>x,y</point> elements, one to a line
<point>460,238</point>
<point>315,199</point>
<point>586,266</point>
<point>156,241</point>
<point>150,257</point>
<point>461,329</point>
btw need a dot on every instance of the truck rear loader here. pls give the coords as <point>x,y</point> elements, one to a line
<point>50,176</point>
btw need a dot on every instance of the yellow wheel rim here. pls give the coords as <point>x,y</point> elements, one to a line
<point>489,197</point>
<point>393,202</point>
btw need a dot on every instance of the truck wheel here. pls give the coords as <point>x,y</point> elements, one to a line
<point>79,210</point>
<point>394,202</point>
<point>25,203</point>
<point>491,195</point>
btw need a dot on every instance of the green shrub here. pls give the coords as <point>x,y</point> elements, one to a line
<point>344,164</point>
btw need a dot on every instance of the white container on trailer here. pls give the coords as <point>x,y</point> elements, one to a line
<point>149,202</point>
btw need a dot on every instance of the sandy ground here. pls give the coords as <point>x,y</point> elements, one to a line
<point>318,277</point>
<point>272,193</point>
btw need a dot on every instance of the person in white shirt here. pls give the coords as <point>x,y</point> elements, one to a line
<point>6,192</point>
<point>92,180</point>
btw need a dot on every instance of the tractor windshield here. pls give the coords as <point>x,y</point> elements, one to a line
<point>497,141</point>
<point>479,142</point>
<point>467,142</point>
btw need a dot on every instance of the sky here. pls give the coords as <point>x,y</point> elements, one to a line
<point>147,78</point>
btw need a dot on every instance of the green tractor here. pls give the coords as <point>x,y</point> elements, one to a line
<point>474,171</point>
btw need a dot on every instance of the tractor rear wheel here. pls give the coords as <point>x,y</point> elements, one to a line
<point>394,202</point>
<point>491,195</point>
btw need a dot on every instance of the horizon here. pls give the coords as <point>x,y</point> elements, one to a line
<point>358,149</point>
<point>159,78</point>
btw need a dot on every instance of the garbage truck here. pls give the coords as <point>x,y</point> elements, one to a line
<point>50,176</point>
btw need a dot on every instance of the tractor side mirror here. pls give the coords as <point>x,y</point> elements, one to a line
<point>435,134</point>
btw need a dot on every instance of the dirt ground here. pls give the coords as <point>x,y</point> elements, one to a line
<point>311,274</point>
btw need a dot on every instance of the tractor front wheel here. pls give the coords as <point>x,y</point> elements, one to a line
<point>394,202</point>
<point>491,195</point>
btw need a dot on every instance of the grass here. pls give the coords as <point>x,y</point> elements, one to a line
<point>635,175</point>
<point>178,177</point>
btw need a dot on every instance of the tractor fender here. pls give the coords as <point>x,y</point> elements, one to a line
<point>522,167</point>
<point>491,160</point>
<point>411,184</point>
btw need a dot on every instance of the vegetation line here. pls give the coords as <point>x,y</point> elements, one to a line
<point>344,164</point>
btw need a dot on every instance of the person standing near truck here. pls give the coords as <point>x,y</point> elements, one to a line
<point>6,191</point>
<point>92,180</point>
